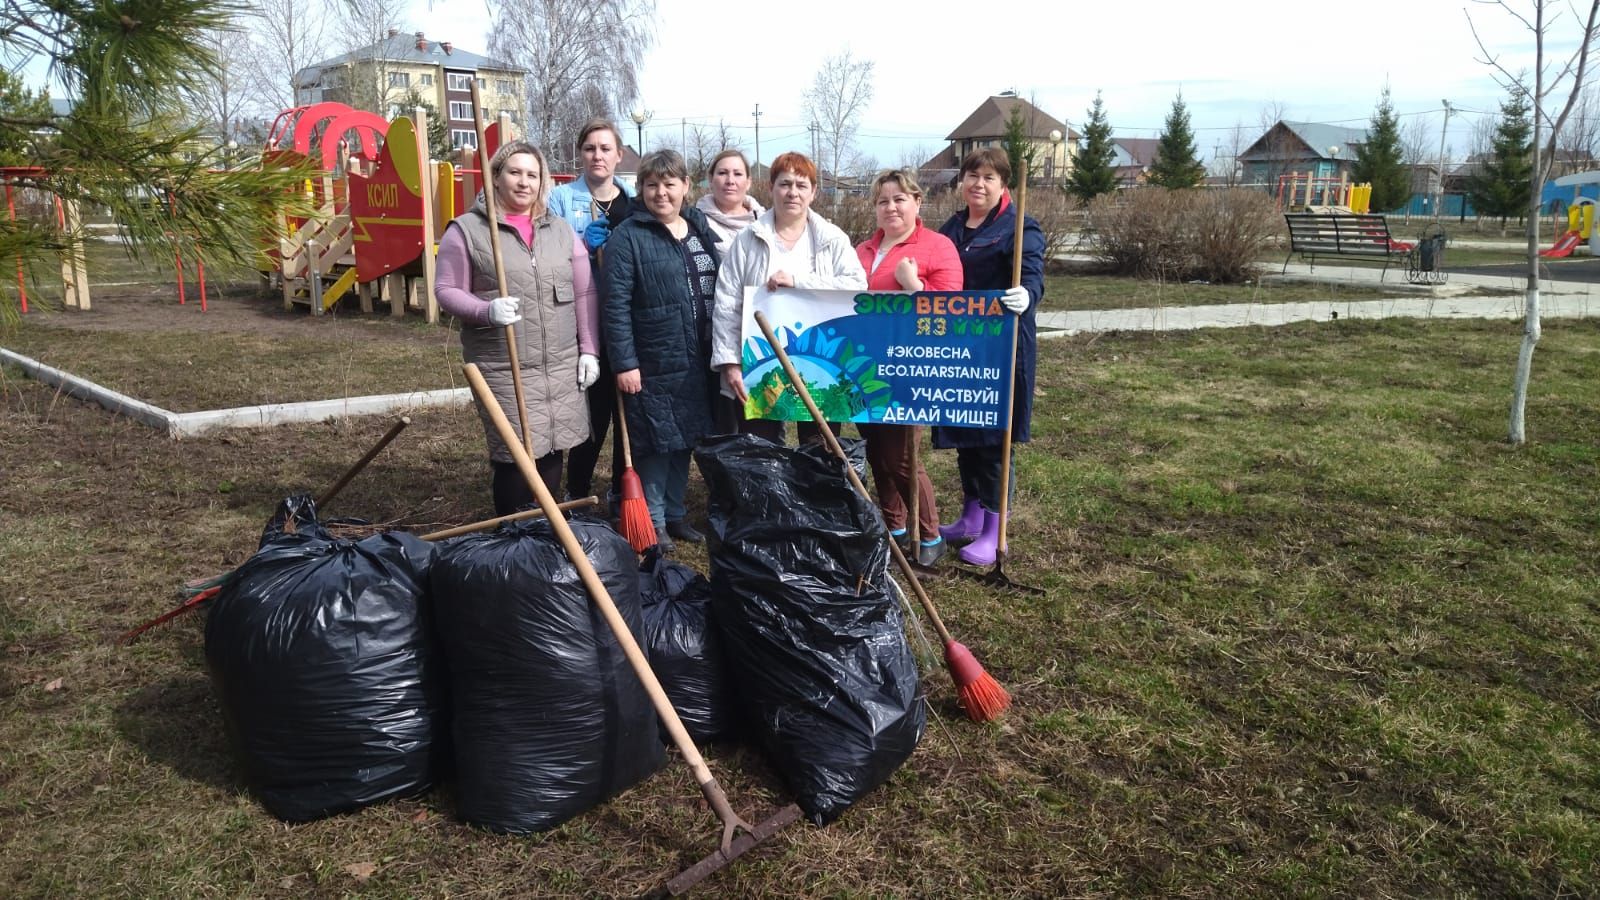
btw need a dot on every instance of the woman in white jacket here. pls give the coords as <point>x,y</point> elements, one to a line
<point>788,246</point>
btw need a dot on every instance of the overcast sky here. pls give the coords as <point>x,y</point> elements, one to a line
<point>937,60</point>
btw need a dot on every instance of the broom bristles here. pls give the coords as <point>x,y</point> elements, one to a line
<point>981,696</point>
<point>637,526</point>
<point>984,699</point>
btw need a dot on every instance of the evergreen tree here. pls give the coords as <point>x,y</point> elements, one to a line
<point>23,114</point>
<point>1019,149</point>
<point>1177,163</point>
<point>1380,161</point>
<point>1502,186</point>
<point>133,79</point>
<point>1092,172</point>
<point>438,128</point>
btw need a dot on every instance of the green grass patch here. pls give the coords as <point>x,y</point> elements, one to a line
<point>1311,627</point>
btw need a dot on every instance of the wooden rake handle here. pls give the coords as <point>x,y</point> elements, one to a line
<point>394,431</point>
<point>500,263</point>
<point>608,610</point>
<point>1011,370</point>
<point>900,560</point>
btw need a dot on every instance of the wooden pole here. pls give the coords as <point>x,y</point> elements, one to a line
<point>487,181</point>
<point>1005,445</point>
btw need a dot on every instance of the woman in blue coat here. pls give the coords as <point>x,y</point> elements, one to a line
<point>984,235</point>
<point>660,284</point>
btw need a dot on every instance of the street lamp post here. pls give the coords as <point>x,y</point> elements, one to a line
<point>1055,149</point>
<point>1438,195</point>
<point>640,116</point>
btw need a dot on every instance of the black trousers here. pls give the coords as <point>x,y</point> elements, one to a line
<point>511,491</point>
<point>980,474</point>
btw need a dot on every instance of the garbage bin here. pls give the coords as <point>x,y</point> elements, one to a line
<point>1432,250</point>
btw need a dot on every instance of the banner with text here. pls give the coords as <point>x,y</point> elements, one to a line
<point>913,359</point>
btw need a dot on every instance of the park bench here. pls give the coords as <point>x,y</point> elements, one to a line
<point>1341,234</point>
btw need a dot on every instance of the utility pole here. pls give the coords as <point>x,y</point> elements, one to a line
<point>758,142</point>
<point>813,129</point>
<point>1438,197</point>
<point>683,136</point>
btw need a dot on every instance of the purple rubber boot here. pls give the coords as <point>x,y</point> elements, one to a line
<point>967,527</point>
<point>981,552</point>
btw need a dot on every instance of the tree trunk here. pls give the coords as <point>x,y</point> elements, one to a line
<point>1530,337</point>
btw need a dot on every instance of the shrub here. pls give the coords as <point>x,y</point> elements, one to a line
<point>1231,229</point>
<point>1215,235</point>
<point>1140,232</point>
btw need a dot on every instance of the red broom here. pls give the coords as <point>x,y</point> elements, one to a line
<point>635,515</point>
<point>981,696</point>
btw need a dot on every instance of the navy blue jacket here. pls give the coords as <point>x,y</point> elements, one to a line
<point>986,265</point>
<point>651,325</point>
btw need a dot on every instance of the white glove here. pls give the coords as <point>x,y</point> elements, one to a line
<point>588,370</point>
<point>505,310</point>
<point>1016,299</point>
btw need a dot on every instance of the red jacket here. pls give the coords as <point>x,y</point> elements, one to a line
<point>938,264</point>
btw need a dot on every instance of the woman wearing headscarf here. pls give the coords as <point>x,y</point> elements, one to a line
<point>551,306</point>
<point>728,206</point>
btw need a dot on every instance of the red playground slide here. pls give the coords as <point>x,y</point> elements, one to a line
<point>1563,246</point>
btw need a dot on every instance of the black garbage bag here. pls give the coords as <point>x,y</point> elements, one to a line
<point>328,674</point>
<point>551,719</point>
<point>813,639</point>
<point>685,651</point>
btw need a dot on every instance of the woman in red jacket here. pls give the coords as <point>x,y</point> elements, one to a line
<point>904,256</point>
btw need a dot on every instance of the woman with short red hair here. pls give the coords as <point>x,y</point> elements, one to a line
<point>788,246</point>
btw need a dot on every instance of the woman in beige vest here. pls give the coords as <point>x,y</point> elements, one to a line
<point>551,306</point>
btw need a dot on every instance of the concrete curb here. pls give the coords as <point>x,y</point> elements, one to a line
<point>1240,315</point>
<point>182,425</point>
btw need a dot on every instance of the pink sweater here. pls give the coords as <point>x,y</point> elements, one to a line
<point>452,285</point>
<point>938,263</point>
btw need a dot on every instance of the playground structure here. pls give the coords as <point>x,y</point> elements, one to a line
<point>1580,229</point>
<point>1299,191</point>
<point>379,207</point>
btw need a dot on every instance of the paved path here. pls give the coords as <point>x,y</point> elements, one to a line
<point>1557,300</point>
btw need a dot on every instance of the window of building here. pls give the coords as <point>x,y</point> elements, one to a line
<point>460,137</point>
<point>399,79</point>
<point>425,79</point>
<point>458,81</point>
<point>504,86</point>
<point>461,110</point>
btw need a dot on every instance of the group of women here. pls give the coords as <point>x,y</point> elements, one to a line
<point>642,296</point>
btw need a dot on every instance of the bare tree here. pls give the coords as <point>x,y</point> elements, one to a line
<point>1225,156</point>
<point>363,23</point>
<point>582,57</point>
<point>1540,21</point>
<point>286,36</point>
<point>839,94</point>
<point>221,105</point>
<point>1276,145</point>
